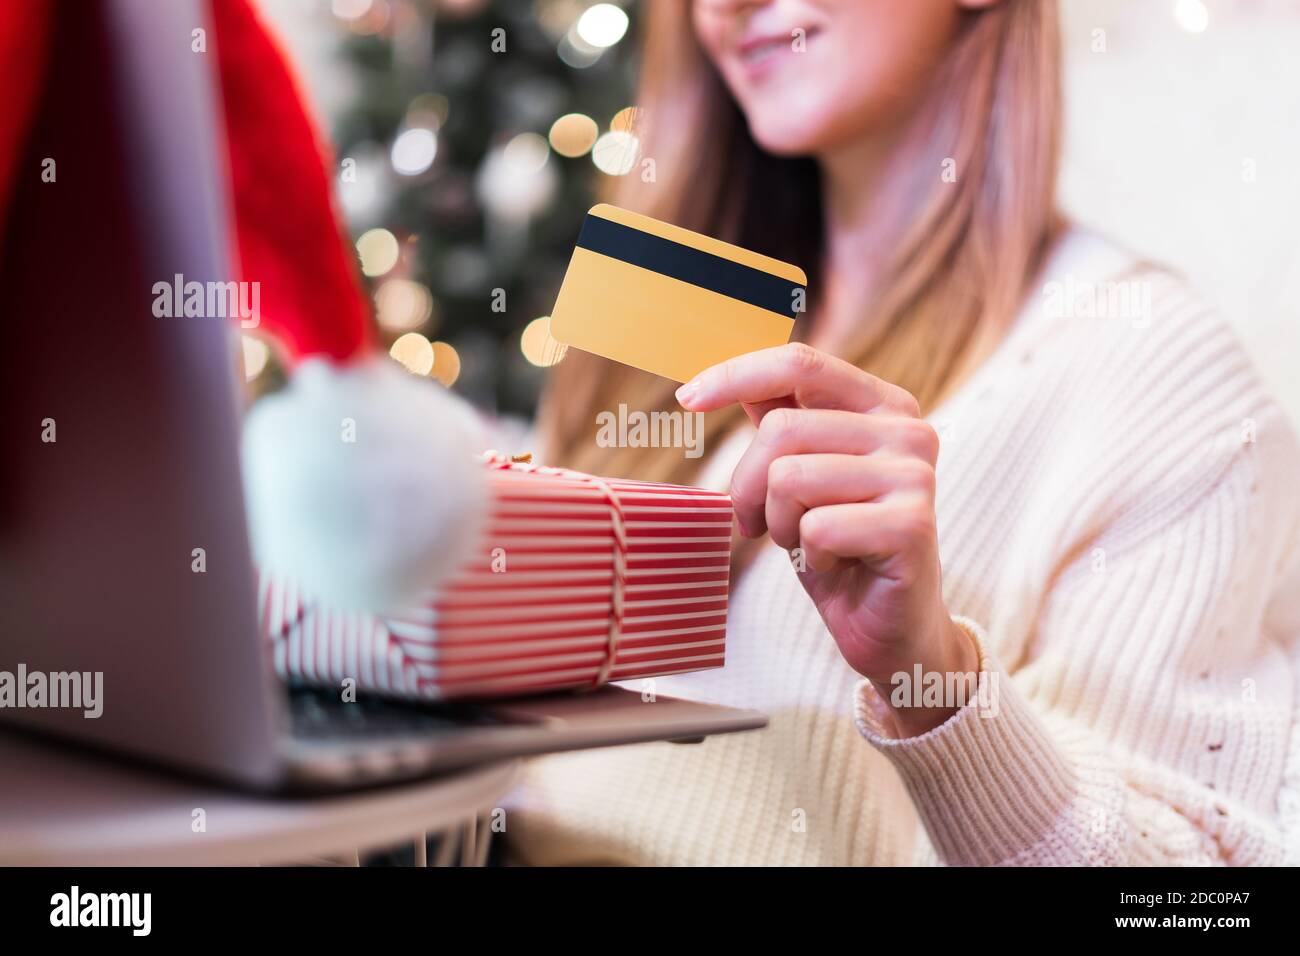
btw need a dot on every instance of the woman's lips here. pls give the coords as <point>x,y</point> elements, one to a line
<point>761,54</point>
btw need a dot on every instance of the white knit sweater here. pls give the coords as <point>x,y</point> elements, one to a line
<point>1119,518</point>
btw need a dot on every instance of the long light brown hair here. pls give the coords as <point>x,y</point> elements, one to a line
<point>963,256</point>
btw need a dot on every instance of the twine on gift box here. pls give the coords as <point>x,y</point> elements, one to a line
<point>618,525</point>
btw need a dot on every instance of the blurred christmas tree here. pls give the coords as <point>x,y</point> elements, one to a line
<point>462,191</point>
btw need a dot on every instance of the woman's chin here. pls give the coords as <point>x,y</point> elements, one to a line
<point>780,137</point>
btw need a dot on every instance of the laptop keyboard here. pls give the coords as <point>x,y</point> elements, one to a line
<point>321,715</point>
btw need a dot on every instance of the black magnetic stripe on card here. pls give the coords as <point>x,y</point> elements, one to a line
<point>699,268</point>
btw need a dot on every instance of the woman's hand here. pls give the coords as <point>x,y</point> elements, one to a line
<point>843,468</point>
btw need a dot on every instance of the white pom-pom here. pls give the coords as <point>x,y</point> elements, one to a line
<point>363,483</point>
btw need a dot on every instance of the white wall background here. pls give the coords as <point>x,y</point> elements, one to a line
<point>1182,145</point>
<point>1163,133</point>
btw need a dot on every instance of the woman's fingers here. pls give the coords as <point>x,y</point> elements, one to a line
<point>799,483</point>
<point>896,536</point>
<point>757,411</point>
<point>788,431</point>
<point>812,378</point>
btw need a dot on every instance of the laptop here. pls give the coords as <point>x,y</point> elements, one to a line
<point>121,458</point>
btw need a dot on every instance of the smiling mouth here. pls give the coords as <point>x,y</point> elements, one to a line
<point>762,50</point>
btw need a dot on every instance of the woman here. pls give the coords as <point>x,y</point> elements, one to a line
<point>1082,445</point>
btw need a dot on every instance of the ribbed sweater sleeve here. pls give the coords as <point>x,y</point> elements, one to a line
<point>1149,718</point>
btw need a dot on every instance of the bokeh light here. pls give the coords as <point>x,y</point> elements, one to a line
<point>363,17</point>
<point>557,17</point>
<point>575,52</point>
<point>615,153</point>
<point>446,363</point>
<point>537,344</point>
<point>602,25</point>
<point>256,355</point>
<point>403,304</point>
<point>428,111</point>
<point>526,152</point>
<point>414,150</point>
<point>625,120</point>
<point>414,352</point>
<point>515,181</point>
<point>378,250</point>
<point>573,134</point>
<point>1192,15</point>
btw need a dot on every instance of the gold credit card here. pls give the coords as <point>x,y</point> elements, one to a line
<point>668,300</point>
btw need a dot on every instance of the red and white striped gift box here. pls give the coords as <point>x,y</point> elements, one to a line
<point>579,580</point>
